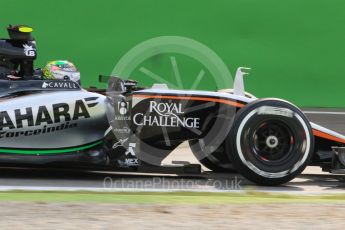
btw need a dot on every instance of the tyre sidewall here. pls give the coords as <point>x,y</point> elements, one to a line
<point>233,144</point>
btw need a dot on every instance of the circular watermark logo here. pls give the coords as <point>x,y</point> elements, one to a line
<point>150,123</point>
<point>173,45</point>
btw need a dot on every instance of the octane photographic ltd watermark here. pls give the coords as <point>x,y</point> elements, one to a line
<point>163,183</point>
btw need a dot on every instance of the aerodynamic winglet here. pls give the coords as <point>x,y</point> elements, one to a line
<point>239,83</point>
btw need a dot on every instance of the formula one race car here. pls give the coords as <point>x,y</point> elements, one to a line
<point>57,123</point>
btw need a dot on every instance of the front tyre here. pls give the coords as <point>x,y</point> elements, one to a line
<point>271,142</point>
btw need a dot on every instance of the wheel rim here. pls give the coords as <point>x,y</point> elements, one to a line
<point>272,142</point>
<point>284,154</point>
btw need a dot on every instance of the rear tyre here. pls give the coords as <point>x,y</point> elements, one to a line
<point>271,142</point>
<point>217,161</point>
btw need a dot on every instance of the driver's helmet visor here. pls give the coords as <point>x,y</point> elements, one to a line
<point>63,66</point>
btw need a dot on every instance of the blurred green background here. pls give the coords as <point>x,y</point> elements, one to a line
<point>294,47</point>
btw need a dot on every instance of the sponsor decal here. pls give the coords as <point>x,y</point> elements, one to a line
<point>34,132</point>
<point>166,115</point>
<point>132,161</point>
<point>29,51</point>
<point>271,110</point>
<point>59,85</point>
<point>119,143</point>
<point>122,118</point>
<point>130,150</point>
<point>124,130</point>
<point>45,119</point>
<point>122,108</point>
<point>130,156</point>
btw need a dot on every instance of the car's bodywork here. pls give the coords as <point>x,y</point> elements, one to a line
<point>59,123</point>
<point>56,122</point>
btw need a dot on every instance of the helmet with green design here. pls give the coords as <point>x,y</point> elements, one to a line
<point>61,70</point>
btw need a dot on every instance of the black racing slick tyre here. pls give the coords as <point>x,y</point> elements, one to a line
<point>217,161</point>
<point>271,142</point>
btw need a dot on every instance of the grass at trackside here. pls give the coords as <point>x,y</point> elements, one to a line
<point>165,198</point>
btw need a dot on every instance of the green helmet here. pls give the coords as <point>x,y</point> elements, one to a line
<point>61,70</point>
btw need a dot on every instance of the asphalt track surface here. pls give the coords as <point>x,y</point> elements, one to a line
<point>311,181</point>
